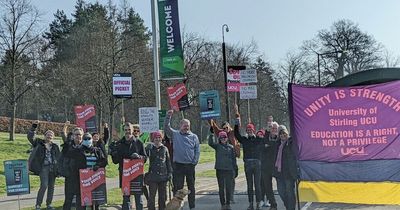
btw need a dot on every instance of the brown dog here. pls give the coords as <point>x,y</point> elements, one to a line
<point>176,203</point>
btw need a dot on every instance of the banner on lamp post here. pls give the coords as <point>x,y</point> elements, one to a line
<point>171,54</point>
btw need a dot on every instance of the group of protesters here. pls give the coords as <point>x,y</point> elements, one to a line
<point>173,156</point>
<point>82,150</point>
<point>267,153</point>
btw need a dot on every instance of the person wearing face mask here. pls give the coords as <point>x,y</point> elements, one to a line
<point>286,172</point>
<point>129,147</point>
<point>82,154</point>
<point>226,167</point>
<point>252,160</point>
<point>160,171</point>
<point>44,163</point>
<point>186,148</point>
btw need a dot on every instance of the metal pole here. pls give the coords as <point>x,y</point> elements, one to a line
<point>248,110</point>
<point>225,73</point>
<point>319,71</point>
<point>122,108</point>
<point>155,55</point>
<point>19,204</point>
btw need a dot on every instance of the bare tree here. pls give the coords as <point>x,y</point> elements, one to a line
<point>390,60</point>
<point>295,69</point>
<point>18,37</point>
<point>345,49</point>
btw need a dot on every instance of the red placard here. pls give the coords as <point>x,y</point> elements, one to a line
<point>131,170</point>
<point>85,117</point>
<point>178,98</point>
<point>92,182</point>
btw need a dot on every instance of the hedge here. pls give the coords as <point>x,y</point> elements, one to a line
<point>23,125</point>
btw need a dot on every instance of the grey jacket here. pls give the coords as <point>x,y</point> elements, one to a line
<point>225,158</point>
<point>160,165</point>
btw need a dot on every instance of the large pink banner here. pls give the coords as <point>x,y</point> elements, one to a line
<point>347,123</point>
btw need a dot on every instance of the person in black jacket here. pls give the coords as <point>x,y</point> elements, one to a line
<point>43,162</point>
<point>286,169</point>
<point>268,156</point>
<point>101,143</point>
<point>160,171</point>
<point>252,161</point>
<point>81,154</point>
<point>128,147</point>
<point>226,167</point>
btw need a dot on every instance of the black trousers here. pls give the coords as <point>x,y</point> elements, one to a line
<point>72,188</point>
<point>161,187</point>
<point>182,171</point>
<point>225,178</point>
<point>252,170</point>
<point>266,181</point>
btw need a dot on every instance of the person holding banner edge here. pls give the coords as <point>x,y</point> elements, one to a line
<point>43,162</point>
<point>186,148</point>
<point>129,147</point>
<point>286,169</point>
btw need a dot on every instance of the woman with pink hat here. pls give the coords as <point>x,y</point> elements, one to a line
<point>160,171</point>
<point>226,167</point>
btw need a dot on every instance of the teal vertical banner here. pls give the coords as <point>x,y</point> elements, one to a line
<point>210,107</point>
<point>171,53</point>
<point>17,177</point>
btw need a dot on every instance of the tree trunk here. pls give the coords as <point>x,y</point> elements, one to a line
<point>12,121</point>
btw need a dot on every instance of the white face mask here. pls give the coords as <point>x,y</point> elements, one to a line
<point>87,143</point>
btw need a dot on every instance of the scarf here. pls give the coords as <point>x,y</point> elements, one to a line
<point>278,163</point>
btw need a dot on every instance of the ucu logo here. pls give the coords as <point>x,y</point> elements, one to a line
<point>353,151</point>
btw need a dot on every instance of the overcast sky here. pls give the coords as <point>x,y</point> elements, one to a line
<point>277,26</point>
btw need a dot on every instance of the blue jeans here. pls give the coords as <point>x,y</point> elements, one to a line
<point>252,169</point>
<point>126,205</point>
<point>47,179</point>
<point>286,187</point>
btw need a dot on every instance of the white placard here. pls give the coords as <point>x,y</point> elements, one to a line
<point>248,76</point>
<point>148,119</point>
<point>122,85</point>
<point>248,92</point>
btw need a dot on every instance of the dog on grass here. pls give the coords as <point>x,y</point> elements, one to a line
<point>176,203</point>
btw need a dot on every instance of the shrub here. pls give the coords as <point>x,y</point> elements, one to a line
<point>23,125</point>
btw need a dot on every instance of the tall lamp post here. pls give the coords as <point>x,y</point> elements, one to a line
<point>318,59</point>
<point>225,28</point>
